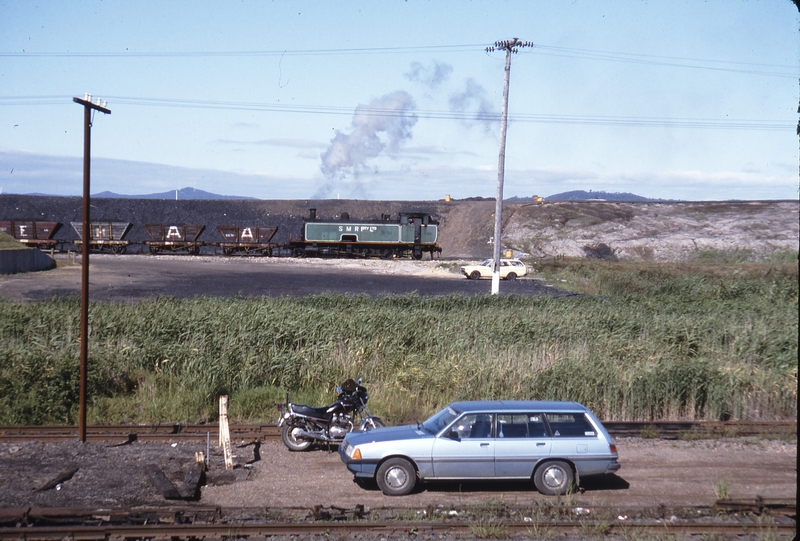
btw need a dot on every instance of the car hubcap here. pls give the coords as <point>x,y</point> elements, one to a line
<point>396,477</point>
<point>554,477</point>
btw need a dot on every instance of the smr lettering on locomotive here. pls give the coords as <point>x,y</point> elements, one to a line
<point>357,228</point>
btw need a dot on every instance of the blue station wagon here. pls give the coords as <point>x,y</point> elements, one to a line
<point>553,443</point>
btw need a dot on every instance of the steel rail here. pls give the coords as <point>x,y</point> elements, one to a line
<point>199,531</point>
<point>757,505</point>
<point>676,429</point>
<point>130,433</point>
<point>198,432</point>
<point>215,522</point>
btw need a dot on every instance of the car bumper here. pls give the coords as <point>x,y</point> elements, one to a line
<point>586,468</point>
<point>360,469</point>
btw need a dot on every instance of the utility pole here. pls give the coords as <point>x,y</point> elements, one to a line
<point>88,107</point>
<point>509,46</point>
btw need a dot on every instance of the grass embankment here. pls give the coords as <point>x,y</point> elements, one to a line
<point>7,242</point>
<point>648,342</point>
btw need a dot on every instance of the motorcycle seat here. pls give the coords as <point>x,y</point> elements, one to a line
<point>317,413</point>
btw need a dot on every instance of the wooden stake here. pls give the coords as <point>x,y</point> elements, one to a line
<point>224,432</point>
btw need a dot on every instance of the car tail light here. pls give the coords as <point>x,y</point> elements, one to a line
<point>613,448</point>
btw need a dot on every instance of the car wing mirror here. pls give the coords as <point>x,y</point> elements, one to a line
<point>453,435</point>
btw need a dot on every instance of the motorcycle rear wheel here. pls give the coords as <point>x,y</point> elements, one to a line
<point>292,442</point>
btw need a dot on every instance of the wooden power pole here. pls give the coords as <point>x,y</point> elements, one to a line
<point>509,46</point>
<point>88,107</point>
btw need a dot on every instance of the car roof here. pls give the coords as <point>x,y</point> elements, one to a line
<point>492,259</point>
<point>531,406</point>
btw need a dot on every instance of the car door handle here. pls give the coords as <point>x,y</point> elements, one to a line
<point>484,445</point>
<point>540,444</point>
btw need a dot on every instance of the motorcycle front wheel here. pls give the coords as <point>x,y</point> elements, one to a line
<point>291,440</point>
<point>372,422</point>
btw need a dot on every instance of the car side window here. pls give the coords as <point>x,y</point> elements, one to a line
<point>570,425</point>
<point>474,425</point>
<point>521,425</point>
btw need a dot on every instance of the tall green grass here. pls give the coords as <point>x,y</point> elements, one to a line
<point>648,342</point>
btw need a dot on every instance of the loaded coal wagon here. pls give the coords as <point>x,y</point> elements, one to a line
<point>410,235</point>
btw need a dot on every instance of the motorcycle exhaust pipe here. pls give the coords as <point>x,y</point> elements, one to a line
<point>298,432</point>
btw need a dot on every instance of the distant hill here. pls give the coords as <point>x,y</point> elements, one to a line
<point>182,194</point>
<point>583,195</point>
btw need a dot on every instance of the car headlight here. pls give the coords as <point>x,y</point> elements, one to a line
<point>353,453</point>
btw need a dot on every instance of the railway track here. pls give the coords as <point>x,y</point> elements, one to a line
<point>758,518</point>
<point>131,433</point>
<point>201,432</point>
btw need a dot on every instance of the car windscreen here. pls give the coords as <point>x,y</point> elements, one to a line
<point>435,424</point>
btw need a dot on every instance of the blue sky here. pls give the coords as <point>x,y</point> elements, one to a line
<point>398,100</point>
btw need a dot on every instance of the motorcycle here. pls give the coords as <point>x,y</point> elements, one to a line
<point>302,426</point>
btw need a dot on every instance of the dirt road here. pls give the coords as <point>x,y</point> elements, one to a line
<point>673,473</point>
<point>128,278</point>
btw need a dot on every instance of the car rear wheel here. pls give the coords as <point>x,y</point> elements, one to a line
<point>474,275</point>
<point>554,478</point>
<point>396,477</point>
<point>511,276</point>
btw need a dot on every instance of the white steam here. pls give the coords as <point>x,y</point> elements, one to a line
<point>380,127</point>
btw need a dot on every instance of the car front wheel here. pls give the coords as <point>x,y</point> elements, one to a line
<point>474,275</point>
<point>396,477</point>
<point>554,478</point>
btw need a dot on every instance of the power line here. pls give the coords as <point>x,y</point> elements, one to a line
<point>673,61</point>
<point>281,52</point>
<point>752,68</point>
<point>525,118</point>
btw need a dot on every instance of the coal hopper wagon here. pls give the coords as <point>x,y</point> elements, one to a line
<point>173,239</point>
<point>104,236</point>
<point>31,232</point>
